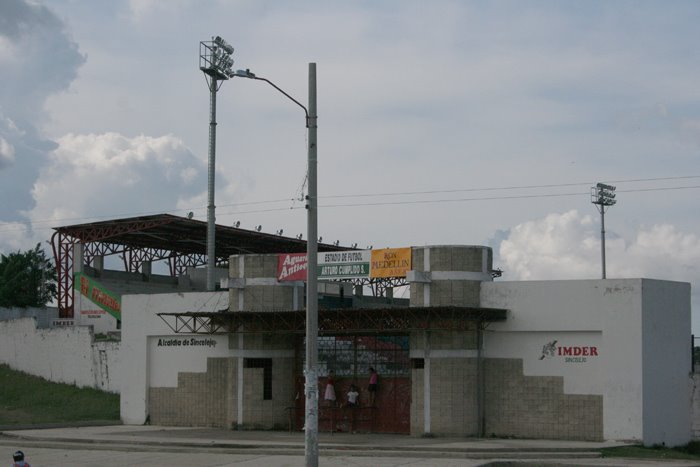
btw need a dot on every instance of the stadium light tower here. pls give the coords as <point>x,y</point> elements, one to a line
<point>310,368</point>
<point>216,62</point>
<point>603,196</point>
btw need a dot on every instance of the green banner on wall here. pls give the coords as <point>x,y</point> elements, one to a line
<point>98,294</point>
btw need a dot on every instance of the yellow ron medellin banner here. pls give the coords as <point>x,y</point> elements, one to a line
<point>390,262</point>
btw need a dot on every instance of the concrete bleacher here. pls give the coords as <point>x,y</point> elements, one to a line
<point>128,283</point>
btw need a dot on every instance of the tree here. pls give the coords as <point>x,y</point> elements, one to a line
<point>27,279</point>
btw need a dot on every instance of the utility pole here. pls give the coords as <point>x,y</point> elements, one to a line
<point>311,370</point>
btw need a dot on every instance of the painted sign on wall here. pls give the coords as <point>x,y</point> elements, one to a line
<point>569,353</point>
<point>97,295</point>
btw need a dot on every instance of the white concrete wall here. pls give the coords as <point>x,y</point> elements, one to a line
<point>667,362</point>
<point>43,316</point>
<point>141,327</point>
<point>62,355</point>
<point>171,354</point>
<point>638,326</point>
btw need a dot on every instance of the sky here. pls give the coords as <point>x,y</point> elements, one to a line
<point>443,122</point>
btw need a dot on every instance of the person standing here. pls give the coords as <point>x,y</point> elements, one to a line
<point>329,394</point>
<point>18,460</point>
<point>372,386</point>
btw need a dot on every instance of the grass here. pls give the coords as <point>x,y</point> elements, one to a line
<point>29,400</point>
<point>689,451</point>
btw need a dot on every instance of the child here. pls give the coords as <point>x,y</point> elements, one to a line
<point>18,458</point>
<point>353,394</point>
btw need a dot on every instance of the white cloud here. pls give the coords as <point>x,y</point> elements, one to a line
<point>560,246</point>
<point>567,246</point>
<point>111,175</point>
<point>7,153</point>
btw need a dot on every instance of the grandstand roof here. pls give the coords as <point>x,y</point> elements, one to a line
<point>185,236</point>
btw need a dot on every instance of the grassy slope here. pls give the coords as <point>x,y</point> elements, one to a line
<point>26,399</point>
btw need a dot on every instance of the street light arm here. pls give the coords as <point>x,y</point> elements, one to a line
<point>306,112</point>
<point>248,74</point>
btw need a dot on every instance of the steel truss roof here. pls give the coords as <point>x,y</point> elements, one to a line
<point>335,321</point>
<point>178,240</point>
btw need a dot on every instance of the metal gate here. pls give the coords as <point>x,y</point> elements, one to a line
<point>350,358</point>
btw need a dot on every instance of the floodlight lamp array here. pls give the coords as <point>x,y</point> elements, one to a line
<point>603,195</point>
<point>215,58</point>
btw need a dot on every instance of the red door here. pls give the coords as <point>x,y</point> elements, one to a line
<point>350,358</point>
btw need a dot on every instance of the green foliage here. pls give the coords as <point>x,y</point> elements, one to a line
<point>27,279</point>
<point>29,400</point>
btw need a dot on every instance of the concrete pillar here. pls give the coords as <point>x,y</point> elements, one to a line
<point>78,257</point>
<point>253,285</point>
<point>98,262</point>
<point>449,275</point>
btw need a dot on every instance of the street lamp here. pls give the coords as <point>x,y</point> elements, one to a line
<point>310,370</point>
<point>603,196</point>
<point>216,62</point>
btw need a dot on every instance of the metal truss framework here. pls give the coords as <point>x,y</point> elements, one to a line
<point>179,241</point>
<point>64,240</point>
<point>335,321</point>
<point>379,286</point>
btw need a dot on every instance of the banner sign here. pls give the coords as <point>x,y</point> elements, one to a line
<point>362,264</point>
<point>344,264</point>
<point>96,293</point>
<point>291,267</point>
<point>390,262</point>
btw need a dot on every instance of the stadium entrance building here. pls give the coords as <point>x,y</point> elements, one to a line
<point>464,355</point>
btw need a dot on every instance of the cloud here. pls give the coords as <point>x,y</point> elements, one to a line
<point>113,175</point>
<point>560,246</point>
<point>7,153</point>
<point>37,59</point>
<point>567,246</point>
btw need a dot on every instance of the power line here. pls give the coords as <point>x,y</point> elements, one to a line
<point>36,225</point>
<point>517,187</point>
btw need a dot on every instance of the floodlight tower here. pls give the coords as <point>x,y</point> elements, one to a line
<point>603,196</point>
<point>215,61</point>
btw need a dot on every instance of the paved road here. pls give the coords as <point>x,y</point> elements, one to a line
<point>160,446</point>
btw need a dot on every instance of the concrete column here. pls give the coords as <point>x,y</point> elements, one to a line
<point>98,262</point>
<point>239,384</point>
<point>78,257</point>
<point>426,383</point>
<point>426,268</point>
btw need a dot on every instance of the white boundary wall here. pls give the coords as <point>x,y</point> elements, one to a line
<point>62,354</point>
<point>640,329</point>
